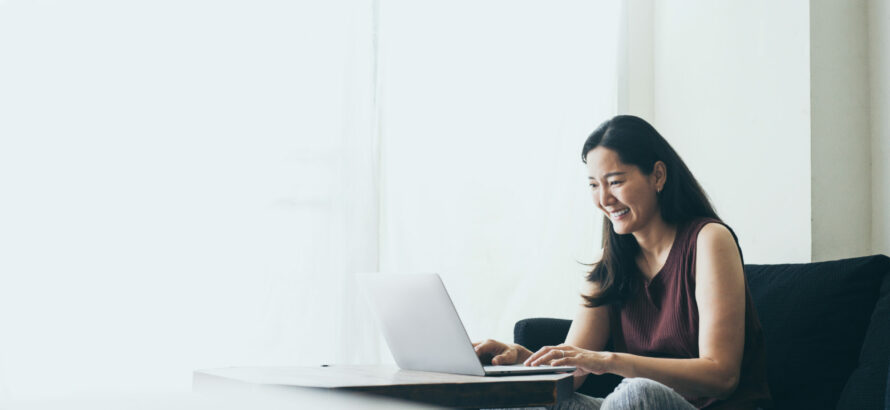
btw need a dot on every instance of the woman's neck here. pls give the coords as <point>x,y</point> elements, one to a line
<point>655,239</point>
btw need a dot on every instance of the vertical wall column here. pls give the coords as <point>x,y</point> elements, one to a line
<point>840,131</point>
<point>879,85</point>
<point>636,63</point>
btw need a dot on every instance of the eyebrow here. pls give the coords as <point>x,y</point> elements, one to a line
<point>611,174</point>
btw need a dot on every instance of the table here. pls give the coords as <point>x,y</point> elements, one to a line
<point>438,389</point>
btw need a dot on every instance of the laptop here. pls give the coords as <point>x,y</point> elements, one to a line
<point>423,330</point>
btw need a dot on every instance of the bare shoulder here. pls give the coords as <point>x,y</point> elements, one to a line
<point>715,236</point>
<point>716,251</point>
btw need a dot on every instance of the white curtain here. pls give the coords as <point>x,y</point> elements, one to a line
<point>183,185</point>
<point>485,108</point>
<point>193,184</point>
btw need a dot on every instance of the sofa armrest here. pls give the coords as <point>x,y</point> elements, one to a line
<point>536,333</point>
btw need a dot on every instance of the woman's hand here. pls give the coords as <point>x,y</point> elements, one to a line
<point>500,354</point>
<point>587,361</point>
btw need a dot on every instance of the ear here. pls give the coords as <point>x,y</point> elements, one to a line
<point>659,171</point>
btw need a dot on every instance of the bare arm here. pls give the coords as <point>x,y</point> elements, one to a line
<point>590,328</point>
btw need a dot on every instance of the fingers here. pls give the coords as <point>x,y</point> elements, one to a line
<point>491,352</point>
<point>546,355</point>
<point>489,346</point>
<point>536,355</point>
<point>508,357</point>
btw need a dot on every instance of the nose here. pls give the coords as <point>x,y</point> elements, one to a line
<point>605,196</point>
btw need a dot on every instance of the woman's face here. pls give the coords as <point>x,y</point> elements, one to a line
<point>626,195</point>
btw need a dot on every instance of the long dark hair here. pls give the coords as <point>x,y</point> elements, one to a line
<point>682,199</point>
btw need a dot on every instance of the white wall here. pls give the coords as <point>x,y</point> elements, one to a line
<point>732,95</point>
<point>840,129</point>
<point>879,77</point>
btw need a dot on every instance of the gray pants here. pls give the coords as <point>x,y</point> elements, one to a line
<point>631,394</point>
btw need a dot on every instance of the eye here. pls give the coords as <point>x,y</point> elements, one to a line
<point>613,183</point>
<point>593,186</point>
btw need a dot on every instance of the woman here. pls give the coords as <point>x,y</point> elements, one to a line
<point>668,289</point>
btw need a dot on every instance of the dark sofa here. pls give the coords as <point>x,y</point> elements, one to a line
<point>826,327</point>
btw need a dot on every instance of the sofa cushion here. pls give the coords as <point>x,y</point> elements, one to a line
<point>863,388</point>
<point>887,392</point>
<point>815,317</point>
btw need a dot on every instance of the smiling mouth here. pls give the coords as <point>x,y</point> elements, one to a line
<point>618,214</point>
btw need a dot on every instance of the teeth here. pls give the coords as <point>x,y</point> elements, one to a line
<point>619,213</point>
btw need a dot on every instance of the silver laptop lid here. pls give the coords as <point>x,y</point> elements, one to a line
<point>420,323</point>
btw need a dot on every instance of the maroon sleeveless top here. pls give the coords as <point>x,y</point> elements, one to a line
<point>660,319</point>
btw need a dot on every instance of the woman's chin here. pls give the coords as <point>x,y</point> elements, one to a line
<point>621,227</point>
